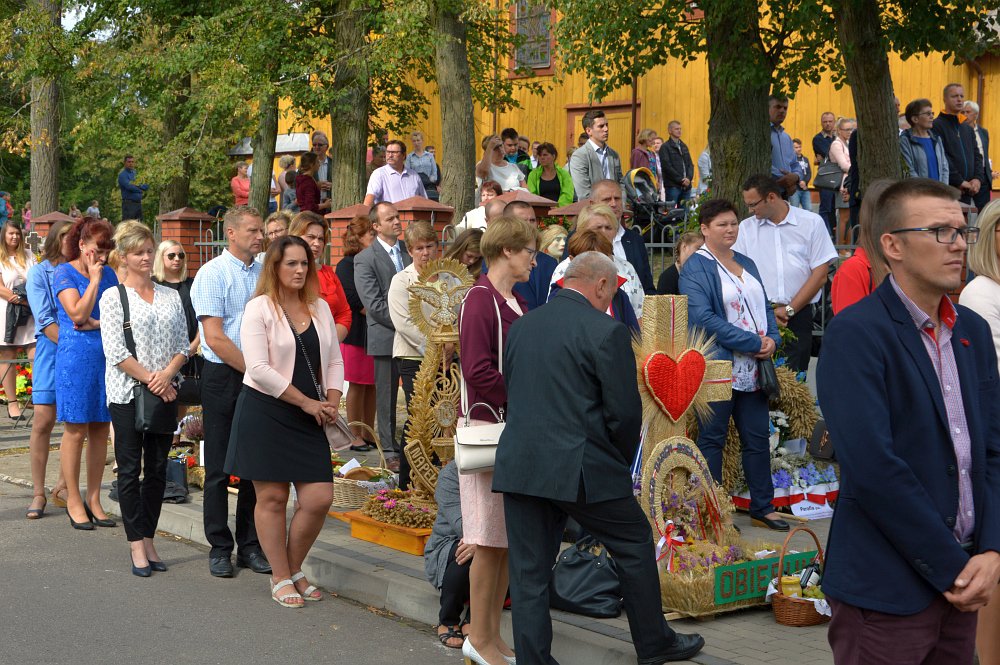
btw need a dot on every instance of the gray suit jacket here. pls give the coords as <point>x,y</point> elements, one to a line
<point>585,167</point>
<point>373,272</point>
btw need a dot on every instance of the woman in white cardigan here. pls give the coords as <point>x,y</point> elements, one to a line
<point>409,344</point>
<point>291,389</point>
<point>982,295</point>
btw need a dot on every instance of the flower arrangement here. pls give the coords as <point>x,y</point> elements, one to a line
<point>186,455</point>
<point>400,507</point>
<point>702,555</point>
<point>22,384</point>
<point>546,222</point>
<point>192,428</point>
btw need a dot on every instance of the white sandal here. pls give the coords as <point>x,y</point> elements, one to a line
<point>311,593</point>
<point>283,600</point>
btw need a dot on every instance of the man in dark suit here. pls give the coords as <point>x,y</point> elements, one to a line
<point>913,549</point>
<point>628,243</point>
<point>575,460</point>
<point>982,137</point>
<point>374,268</point>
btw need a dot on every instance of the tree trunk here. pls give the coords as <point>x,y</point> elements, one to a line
<point>177,192</point>
<point>458,140</point>
<point>45,123</point>
<point>349,109</point>
<point>739,83</point>
<point>864,49</point>
<point>264,140</point>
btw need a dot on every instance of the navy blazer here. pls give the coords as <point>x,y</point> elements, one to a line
<point>701,283</point>
<point>891,546</point>
<point>536,290</point>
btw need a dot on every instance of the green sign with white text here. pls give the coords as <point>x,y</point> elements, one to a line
<point>744,581</point>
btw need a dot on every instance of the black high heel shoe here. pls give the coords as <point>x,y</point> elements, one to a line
<point>82,526</point>
<point>145,571</point>
<point>93,518</point>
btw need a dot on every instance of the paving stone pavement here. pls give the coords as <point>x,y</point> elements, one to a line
<point>384,578</point>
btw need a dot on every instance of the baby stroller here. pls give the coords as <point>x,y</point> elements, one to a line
<point>649,214</point>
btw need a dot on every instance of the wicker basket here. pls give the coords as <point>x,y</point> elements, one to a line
<point>353,492</point>
<point>790,611</point>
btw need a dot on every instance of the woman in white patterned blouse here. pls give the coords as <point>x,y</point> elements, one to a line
<point>161,347</point>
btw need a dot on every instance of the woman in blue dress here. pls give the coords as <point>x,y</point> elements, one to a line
<point>43,371</point>
<point>80,397</point>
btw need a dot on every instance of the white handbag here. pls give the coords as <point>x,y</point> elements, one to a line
<point>476,445</point>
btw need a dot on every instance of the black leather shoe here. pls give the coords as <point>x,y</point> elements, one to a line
<point>774,525</point>
<point>220,566</point>
<point>80,526</point>
<point>145,571</point>
<point>255,561</point>
<point>93,518</point>
<point>684,647</point>
<point>157,566</point>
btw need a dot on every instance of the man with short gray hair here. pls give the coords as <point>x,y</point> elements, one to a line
<point>574,461</point>
<point>220,292</point>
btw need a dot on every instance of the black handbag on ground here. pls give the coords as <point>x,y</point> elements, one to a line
<point>829,177</point>
<point>820,446</point>
<point>152,414</point>
<point>585,581</point>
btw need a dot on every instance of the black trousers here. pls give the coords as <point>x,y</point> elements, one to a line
<point>454,590</point>
<point>131,210</point>
<point>140,500</point>
<point>827,209</point>
<point>799,350</point>
<point>622,527</point>
<point>220,386</point>
<point>408,373</point>
<point>983,197</point>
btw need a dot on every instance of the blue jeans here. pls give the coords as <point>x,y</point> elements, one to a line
<point>749,412</point>
<point>677,194</point>
<point>801,199</point>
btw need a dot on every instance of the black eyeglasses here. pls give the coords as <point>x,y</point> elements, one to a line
<point>320,145</point>
<point>946,235</point>
<point>176,255</point>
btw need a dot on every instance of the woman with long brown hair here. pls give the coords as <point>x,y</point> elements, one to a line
<point>359,367</point>
<point>15,261</point>
<point>291,389</point>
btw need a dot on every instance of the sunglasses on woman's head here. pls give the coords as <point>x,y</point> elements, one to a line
<point>176,255</point>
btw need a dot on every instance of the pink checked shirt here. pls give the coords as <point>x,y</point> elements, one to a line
<point>938,345</point>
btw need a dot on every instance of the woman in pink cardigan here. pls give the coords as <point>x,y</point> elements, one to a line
<point>292,387</point>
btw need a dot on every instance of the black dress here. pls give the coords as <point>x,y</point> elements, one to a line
<point>276,441</point>
<point>669,284</point>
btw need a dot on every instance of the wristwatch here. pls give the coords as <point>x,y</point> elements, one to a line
<point>790,311</point>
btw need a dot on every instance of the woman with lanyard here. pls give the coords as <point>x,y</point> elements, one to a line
<point>726,299</point>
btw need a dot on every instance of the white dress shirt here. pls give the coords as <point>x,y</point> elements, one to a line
<point>393,252</point>
<point>788,252</point>
<point>617,248</point>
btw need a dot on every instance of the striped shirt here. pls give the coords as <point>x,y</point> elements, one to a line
<point>937,342</point>
<point>222,288</point>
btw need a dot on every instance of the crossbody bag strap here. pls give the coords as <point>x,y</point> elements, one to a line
<point>463,389</point>
<point>302,345</point>
<point>127,322</point>
<point>739,291</point>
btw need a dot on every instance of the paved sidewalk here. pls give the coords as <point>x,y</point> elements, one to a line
<point>394,581</point>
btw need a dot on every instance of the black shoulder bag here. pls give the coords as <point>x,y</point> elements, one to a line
<point>152,414</point>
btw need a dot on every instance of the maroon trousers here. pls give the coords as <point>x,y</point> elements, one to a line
<point>939,635</point>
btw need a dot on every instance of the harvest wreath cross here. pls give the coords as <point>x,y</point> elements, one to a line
<point>675,378</point>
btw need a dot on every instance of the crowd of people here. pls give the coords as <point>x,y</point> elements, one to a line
<point>265,336</point>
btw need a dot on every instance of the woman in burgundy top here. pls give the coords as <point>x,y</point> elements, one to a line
<point>306,189</point>
<point>508,247</point>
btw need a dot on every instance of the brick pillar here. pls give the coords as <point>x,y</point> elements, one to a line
<point>41,228</point>
<point>187,233</point>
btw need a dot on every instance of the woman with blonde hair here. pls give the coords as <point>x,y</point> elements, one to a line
<point>841,156</point>
<point>43,370</point>
<point>170,270</point>
<point>552,241</point>
<point>17,325</point>
<point>601,218</point>
<point>641,153</point>
<point>291,389</point>
<point>158,337</point>
<point>491,305</point>
<point>982,295</point>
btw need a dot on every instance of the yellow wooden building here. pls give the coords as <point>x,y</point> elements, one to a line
<point>676,92</point>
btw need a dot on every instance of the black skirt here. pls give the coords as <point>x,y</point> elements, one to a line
<point>276,441</point>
